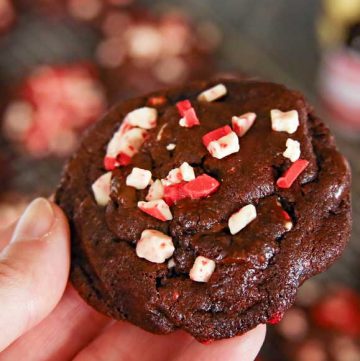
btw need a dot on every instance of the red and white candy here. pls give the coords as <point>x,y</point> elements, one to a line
<point>292,151</point>
<point>189,118</point>
<point>156,191</point>
<point>157,209</point>
<point>224,146</point>
<point>242,218</point>
<point>202,186</point>
<point>144,117</point>
<point>214,93</point>
<point>290,176</point>
<point>138,178</point>
<point>154,246</point>
<point>202,269</point>
<point>184,173</point>
<point>187,172</point>
<point>284,121</point>
<point>241,124</point>
<point>101,189</point>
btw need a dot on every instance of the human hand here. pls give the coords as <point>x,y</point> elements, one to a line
<point>43,318</point>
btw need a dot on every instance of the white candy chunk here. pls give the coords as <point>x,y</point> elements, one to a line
<point>171,146</point>
<point>156,191</point>
<point>154,246</point>
<point>202,269</point>
<point>214,93</point>
<point>173,177</point>
<point>243,123</point>
<point>101,189</point>
<point>157,209</point>
<point>284,121</point>
<point>187,172</point>
<point>132,141</point>
<point>138,178</point>
<point>161,131</point>
<point>142,117</point>
<point>242,218</point>
<point>288,225</point>
<point>224,146</point>
<point>171,263</point>
<point>292,151</point>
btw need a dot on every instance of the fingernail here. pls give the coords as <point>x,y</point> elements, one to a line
<point>35,222</point>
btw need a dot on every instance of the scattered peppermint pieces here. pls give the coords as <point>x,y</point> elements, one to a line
<point>224,146</point>
<point>174,193</point>
<point>183,106</point>
<point>242,218</point>
<point>189,119</point>
<point>287,180</point>
<point>138,178</point>
<point>154,246</point>
<point>187,172</point>
<point>202,269</point>
<point>156,101</point>
<point>214,93</point>
<point>142,117</point>
<point>157,209</point>
<point>202,186</point>
<point>101,189</point>
<point>284,121</point>
<point>215,135</point>
<point>292,151</point>
<point>171,263</point>
<point>171,146</point>
<point>156,191</point>
<point>241,124</point>
<point>173,177</point>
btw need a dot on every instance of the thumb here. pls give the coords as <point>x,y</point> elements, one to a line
<point>34,269</point>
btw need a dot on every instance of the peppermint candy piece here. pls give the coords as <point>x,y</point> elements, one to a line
<point>290,176</point>
<point>288,221</point>
<point>174,193</point>
<point>170,146</point>
<point>189,119</point>
<point>157,209</point>
<point>156,191</point>
<point>183,106</point>
<point>202,186</point>
<point>292,151</point>
<point>224,146</point>
<point>144,118</point>
<point>243,123</point>
<point>214,93</point>
<point>242,218</point>
<point>101,189</point>
<point>215,135</point>
<point>187,172</point>
<point>184,173</point>
<point>154,246</point>
<point>284,121</point>
<point>202,269</point>
<point>138,178</point>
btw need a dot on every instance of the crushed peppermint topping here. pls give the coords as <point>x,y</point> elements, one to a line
<point>174,193</point>
<point>144,118</point>
<point>189,119</point>
<point>138,178</point>
<point>202,186</point>
<point>216,135</point>
<point>242,218</point>
<point>161,131</point>
<point>183,105</point>
<point>173,177</point>
<point>242,123</point>
<point>171,263</point>
<point>292,151</point>
<point>287,180</point>
<point>171,146</point>
<point>187,172</point>
<point>156,191</point>
<point>157,209</point>
<point>101,189</point>
<point>156,101</point>
<point>154,246</point>
<point>202,269</point>
<point>284,121</point>
<point>214,93</point>
<point>224,146</point>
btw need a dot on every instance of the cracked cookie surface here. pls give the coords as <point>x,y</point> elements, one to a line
<point>259,269</point>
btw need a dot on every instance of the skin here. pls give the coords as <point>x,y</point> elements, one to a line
<point>43,318</point>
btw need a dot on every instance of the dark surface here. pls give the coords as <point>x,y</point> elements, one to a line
<point>259,269</point>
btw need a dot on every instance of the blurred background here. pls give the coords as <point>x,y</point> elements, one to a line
<point>63,62</point>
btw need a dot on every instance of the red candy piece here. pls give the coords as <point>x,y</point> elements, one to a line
<point>292,173</point>
<point>183,106</point>
<point>286,215</point>
<point>216,134</point>
<point>201,186</point>
<point>123,159</point>
<point>154,212</point>
<point>174,193</point>
<point>109,163</point>
<point>157,101</point>
<point>191,118</point>
<point>275,318</point>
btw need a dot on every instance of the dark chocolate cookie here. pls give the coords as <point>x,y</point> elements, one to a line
<point>205,211</point>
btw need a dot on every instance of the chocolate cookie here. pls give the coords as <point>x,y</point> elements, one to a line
<point>204,208</point>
